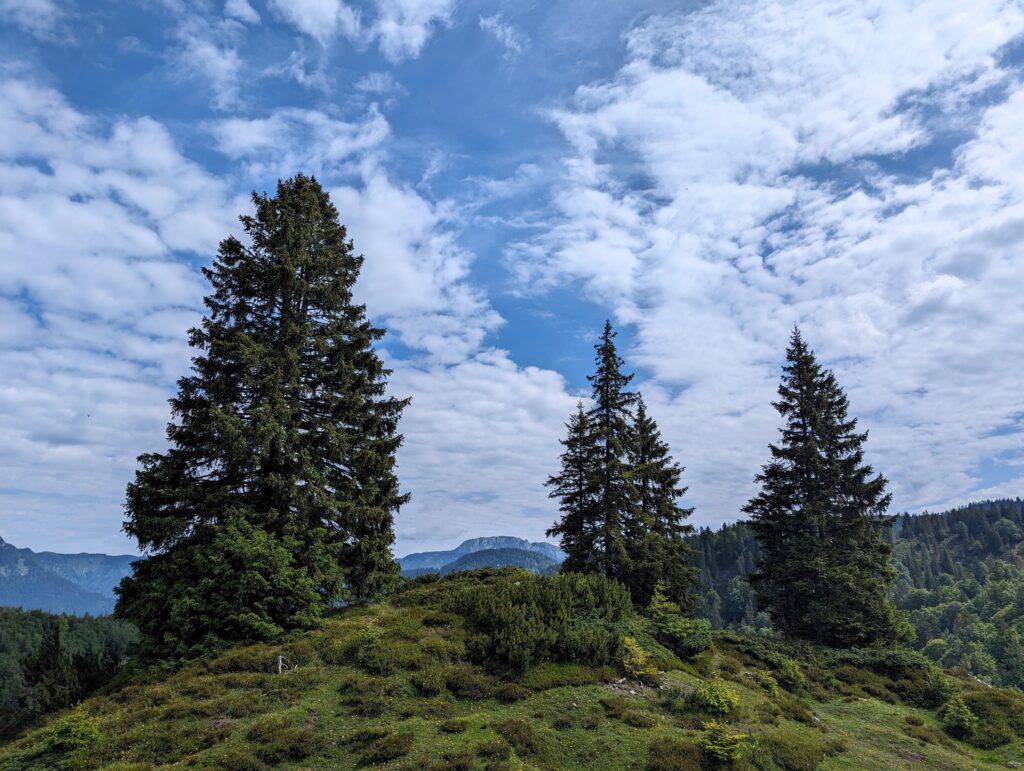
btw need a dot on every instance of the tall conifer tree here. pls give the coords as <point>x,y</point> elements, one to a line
<point>825,572</point>
<point>618,490</point>
<point>611,420</point>
<point>575,486</point>
<point>278,491</point>
<point>655,525</point>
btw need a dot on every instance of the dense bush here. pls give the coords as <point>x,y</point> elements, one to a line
<point>517,620</point>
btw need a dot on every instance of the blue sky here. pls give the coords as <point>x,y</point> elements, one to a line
<point>704,174</point>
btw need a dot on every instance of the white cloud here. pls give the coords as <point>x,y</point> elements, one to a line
<point>40,17</point>
<point>241,10</point>
<point>511,38</point>
<point>692,204</point>
<point>403,27</point>
<point>400,27</point>
<point>94,307</point>
<point>322,20</point>
<point>293,139</point>
<point>480,439</point>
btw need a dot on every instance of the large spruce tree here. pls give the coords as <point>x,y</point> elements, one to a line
<point>277,493</point>
<point>824,572</point>
<point>655,526</point>
<point>618,490</point>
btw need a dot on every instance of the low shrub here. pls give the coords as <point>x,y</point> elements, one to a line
<point>793,749</point>
<point>715,696</point>
<point>520,735</point>
<point>1000,716</point>
<point>616,706</point>
<point>667,753</point>
<point>795,709</point>
<point>277,739</point>
<point>496,749</point>
<point>382,656</point>
<point>720,744</point>
<point>517,620</point>
<point>65,743</point>
<point>766,683</point>
<point>551,675</point>
<point>466,683</point>
<point>639,719</point>
<point>510,693</point>
<point>453,726</point>
<point>790,676</point>
<point>637,664</point>
<point>390,747</point>
<point>429,681</point>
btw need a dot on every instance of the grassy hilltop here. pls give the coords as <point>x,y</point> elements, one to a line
<point>440,677</point>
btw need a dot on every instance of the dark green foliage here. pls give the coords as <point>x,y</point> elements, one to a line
<point>518,620</point>
<point>824,572</point>
<point>655,528</point>
<point>243,584</point>
<point>390,747</point>
<point>281,450</point>
<point>618,491</point>
<point>50,662</point>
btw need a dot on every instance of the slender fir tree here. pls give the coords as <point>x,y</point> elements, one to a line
<point>611,420</point>
<point>576,489</point>
<point>655,525</point>
<point>277,494</point>
<point>825,572</point>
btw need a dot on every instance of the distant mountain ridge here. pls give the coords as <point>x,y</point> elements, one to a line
<point>60,583</point>
<point>496,551</point>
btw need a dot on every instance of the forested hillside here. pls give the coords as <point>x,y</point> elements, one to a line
<point>961,579</point>
<point>49,662</point>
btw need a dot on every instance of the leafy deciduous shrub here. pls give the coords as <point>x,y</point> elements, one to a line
<point>766,682</point>
<point>467,683</point>
<point>794,749</point>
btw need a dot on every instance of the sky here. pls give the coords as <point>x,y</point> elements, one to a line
<point>705,174</point>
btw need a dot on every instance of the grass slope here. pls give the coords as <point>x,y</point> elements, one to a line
<point>391,685</point>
